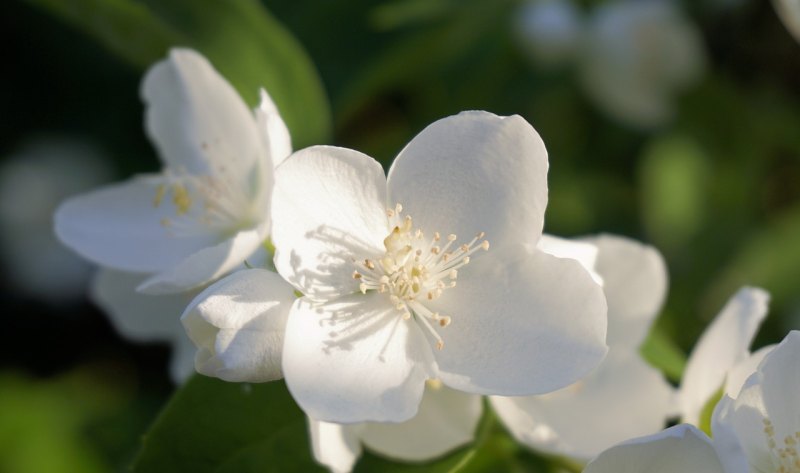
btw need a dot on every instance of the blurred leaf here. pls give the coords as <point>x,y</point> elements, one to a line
<point>42,423</point>
<point>215,426</point>
<point>770,258</point>
<point>661,352</point>
<point>253,50</point>
<point>673,179</point>
<point>129,29</point>
<point>243,41</point>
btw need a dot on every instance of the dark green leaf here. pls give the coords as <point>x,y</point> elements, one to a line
<point>215,426</point>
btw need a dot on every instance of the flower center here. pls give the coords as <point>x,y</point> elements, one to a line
<point>200,202</point>
<point>785,458</point>
<point>416,269</point>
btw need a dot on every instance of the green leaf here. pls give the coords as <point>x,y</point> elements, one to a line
<point>664,354</point>
<point>128,29</point>
<point>240,37</point>
<point>214,426</point>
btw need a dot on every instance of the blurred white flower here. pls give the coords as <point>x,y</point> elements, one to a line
<point>208,210</point>
<point>446,420</point>
<point>723,347</point>
<point>679,449</point>
<point>32,183</point>
<point>381,311</point>
<point>758,429</point>
<point>624,397</point>
<point>637,57</point>
<point>789,13</point>
<point>549,30</point>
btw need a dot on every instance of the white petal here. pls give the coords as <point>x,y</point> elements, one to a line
<point>582,252</point>
<point>635,283</point>
<point>446,420</point>
<point>723,344</point>
<point>197,121</point>
<point>328,209</point>
<point>474,172</point>
<point>623,398</point>
<point>145,318</point>
<point>779,375</point>
<point>679,449</point>
<point>274,132</point>
<point>739,373</point>
<point>726,441</point>
<point>335,445</point>
<point>355,360</point>
<point>207,264</point>
<point>789,13</point>
<point>238,326</point>
<point>521,324</point>
<point>120,227</point>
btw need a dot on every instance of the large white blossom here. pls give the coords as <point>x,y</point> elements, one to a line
<point>714,363</point>
<point>624,397</point>
<point>208,210</point>
<point>758,429</point>
<point>400,284</point>
<point>637,57</point>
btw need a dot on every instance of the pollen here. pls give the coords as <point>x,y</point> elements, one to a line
<point>784,454</point>
<point>415,271</point>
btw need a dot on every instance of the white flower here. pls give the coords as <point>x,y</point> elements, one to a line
<point>758,429</point>
<point>789,13</point>
<point>209,209</point>
<point>624,397</point>
<point>446,420</point>
<point>637,56</point>
<point>679,449</point>
<point>44,171</point>
<point>382,312</point>
<point>723,346</point>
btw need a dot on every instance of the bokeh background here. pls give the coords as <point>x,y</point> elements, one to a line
<point>678,126</point>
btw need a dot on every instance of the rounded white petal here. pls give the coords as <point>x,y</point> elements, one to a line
<point>635,283</point>
<point>623,398</point>
<point>355,360</point>
<point>335,445</point>
<point>679,449</point>
<point>328,209</point>
<point>446,420</point>
<point>238,326</point>
<point>522,323</point>
<point>274,133</point>
<point>198,122</point>
<point>724,343</point>
<point>207,264</point>
<point>120,227</point>
<point>582,252</point>
<point>474,172</point>
<point>789,13</point>
<point>145,318</point>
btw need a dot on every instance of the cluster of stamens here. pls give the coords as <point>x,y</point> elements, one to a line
<point>786,457</point>
<point>219,206</point>
<point>416,268</point>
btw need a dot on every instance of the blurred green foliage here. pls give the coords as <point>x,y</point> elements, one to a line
<point>717,190</point>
